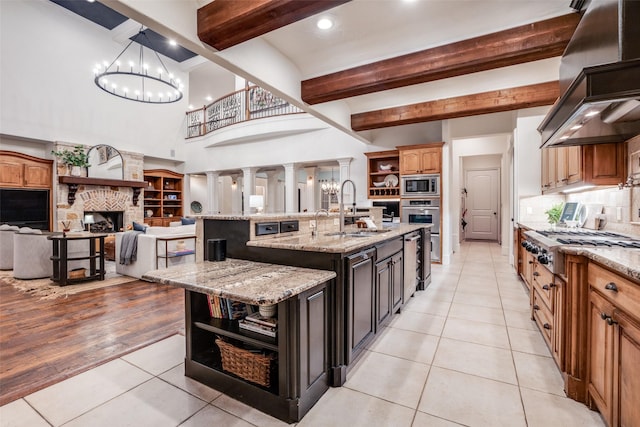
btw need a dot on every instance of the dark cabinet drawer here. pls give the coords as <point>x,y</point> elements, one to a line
<point>264,228</point>
<point>287,226</point>
<point>389,248</point>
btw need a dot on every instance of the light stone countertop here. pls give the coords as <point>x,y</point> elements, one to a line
<point>621,260</point>
<point>336,244</point>
<point>250,282</point>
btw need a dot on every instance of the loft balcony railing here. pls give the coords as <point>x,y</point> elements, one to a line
<point>247,104</point>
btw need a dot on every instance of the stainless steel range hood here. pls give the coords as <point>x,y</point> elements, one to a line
<point>599,79</point>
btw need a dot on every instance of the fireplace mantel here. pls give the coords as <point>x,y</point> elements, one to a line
<point>74,181</point>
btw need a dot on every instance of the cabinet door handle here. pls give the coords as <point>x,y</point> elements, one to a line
<point>546,326</point>
<point>535,273</point>
<point>530,262</point>
<point>536,307</point>
<point>611,287</point>
<point>610,321</point>
<point>546,287</point>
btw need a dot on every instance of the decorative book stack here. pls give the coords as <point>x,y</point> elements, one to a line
<point>255,322</point>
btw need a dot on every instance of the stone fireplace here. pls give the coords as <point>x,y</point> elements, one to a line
<point>112,204</point>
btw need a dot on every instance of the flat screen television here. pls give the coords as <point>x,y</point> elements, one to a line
<point>24,208</point>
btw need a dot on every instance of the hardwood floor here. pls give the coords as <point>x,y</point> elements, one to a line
<point>45,341</point>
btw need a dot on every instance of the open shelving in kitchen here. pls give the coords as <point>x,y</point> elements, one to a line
<point>383,174</point>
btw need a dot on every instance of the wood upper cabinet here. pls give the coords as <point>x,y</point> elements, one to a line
<point>568,165</point>
<point>421,159</point>
<point>548,175</point>
<point>598,164</point>
<point>22,171</point>
<point>614,346</point>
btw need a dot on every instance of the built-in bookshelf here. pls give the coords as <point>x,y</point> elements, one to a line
<point>162,197</point>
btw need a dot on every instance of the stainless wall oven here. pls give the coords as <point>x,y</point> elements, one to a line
<point>424,211</point>
<point>420,186</point>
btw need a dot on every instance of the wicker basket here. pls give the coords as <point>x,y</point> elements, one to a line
<point>245,364</point>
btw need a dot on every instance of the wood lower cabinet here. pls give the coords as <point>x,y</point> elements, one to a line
<point>547,309</point>
<point>613,348</point>
<point>361,298</point>
<point>600,366</point>
<point>299,372</point>
<point>626,372</point>
<point>390,281</point>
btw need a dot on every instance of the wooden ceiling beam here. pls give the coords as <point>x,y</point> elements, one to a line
<point>531,42</point>
<point>534,95</point>
<point>226,23</point>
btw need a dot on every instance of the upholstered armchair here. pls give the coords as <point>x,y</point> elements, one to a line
<point>6,246</point>
<point>32,254</point>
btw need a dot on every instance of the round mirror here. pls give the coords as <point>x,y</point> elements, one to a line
<point>105,162</point>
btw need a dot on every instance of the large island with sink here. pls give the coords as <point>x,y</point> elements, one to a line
<point>322,327</point>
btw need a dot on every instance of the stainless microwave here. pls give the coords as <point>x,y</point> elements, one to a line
<point>420,186</point>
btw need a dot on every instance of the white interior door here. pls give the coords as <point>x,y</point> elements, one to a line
<point>483,194</point>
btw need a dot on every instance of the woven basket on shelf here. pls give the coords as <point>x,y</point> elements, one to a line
<point>245,364</point>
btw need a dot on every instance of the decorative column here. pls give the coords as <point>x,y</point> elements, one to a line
<point>310,173</point>
<point>213,200</point>
<point>290,188</point>
<point>249,186</point>
<point>271,202</point>
<point>345,173</point>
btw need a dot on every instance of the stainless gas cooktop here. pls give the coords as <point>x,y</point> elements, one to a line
<point>545,244</point>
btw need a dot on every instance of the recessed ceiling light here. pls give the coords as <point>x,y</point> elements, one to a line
<point>208,98</point>
<point>324,23</point>
<point>172,42</point>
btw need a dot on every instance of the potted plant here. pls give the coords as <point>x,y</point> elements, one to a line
<point>75,159</point>
<point>553,214</point>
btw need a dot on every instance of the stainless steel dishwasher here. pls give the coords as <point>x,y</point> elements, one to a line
<point>411,274</point>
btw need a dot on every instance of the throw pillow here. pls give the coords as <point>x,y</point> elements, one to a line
<point>139,227</point>
<point>187,221</point>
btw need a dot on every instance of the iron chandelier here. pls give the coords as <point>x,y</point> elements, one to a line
<point>136,82</point>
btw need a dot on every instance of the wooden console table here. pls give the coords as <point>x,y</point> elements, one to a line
<point>61,257</point>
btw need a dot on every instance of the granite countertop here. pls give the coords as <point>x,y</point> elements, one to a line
<point>282,216</point>
<point>621,260</point>
<point>336,244</point>
<point>250,282</point>
<point>534,225</point>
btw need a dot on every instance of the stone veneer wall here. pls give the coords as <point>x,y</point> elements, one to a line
<point>99,198</point>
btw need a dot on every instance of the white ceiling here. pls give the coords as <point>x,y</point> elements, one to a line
<point>366,31</point>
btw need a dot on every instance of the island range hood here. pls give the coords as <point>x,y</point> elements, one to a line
<point>599,79</point>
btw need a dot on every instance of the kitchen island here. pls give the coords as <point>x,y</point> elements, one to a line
<point>376,271</point>
<point>292,368</point>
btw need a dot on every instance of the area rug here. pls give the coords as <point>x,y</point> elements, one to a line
<point>47,289</point>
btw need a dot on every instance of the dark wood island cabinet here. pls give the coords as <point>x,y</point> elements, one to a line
<point>295,363</point>
<point>369,284</point>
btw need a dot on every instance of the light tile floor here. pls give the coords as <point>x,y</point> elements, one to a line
<point>463,352</point>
